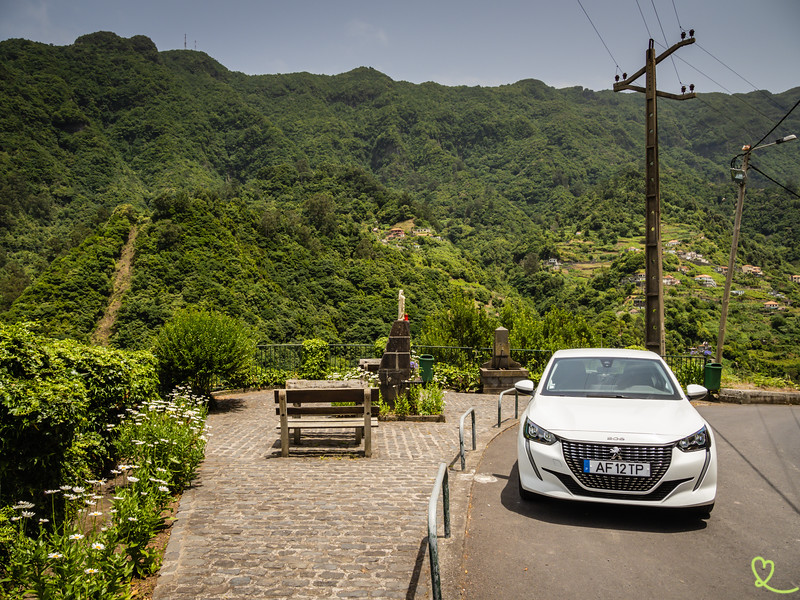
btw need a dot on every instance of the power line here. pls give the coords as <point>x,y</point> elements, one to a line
<point>600,36</point>
<point>752,85</point>
<point>676,15</point>
<point>649,35</point>
<point>780,185</point>
<point>737,97</point>
<point>776,125</point>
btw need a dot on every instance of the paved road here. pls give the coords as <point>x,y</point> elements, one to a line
<point>516,549</point>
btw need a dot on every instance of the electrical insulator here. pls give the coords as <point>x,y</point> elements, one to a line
<point>683,89</point>
<point>683,35</point>
<point>691,87</point>
<point>691,33</point>
<point>616,77</point>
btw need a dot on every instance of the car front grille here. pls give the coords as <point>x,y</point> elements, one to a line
<point>659,458</point>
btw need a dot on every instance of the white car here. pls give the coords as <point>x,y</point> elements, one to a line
<point>614,426</point>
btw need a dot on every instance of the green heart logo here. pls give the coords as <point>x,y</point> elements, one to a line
<point>767,566</point>
<point>759,565</point>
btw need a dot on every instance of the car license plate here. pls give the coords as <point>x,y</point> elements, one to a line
<point>616,467</point>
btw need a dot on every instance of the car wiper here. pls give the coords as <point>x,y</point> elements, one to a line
<point>607,395</point>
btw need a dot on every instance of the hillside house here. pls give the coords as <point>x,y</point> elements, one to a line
<point>795,278</point>
<point>706,280</point>
<point>771,305</point>
<point>751,270</point>
<point>670,280</point>
<point>395,233</point>
<point>673,243</point>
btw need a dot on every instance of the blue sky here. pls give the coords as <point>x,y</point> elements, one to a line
<point>452,42</point>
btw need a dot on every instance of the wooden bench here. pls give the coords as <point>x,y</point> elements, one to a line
<point>316,405</point>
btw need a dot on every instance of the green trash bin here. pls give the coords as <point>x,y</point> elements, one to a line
<point>426,368</point>
<point>712,376</point>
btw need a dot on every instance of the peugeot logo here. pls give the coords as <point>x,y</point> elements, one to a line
<point>615,452</point>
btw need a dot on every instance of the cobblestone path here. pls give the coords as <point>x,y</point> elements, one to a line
<point>324,522</point>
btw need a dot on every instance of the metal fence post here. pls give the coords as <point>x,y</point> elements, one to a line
<point>441,484</point>
<point>461,436</point>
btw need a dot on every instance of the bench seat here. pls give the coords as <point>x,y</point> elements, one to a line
<point>317,406</point>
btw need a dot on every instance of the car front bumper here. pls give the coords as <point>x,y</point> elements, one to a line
<point>689,480</point>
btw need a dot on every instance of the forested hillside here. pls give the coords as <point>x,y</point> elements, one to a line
<point>272,198</point>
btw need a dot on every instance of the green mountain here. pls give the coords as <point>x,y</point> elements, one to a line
<point>271,198</point>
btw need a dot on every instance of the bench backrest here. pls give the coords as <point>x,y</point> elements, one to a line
<point>319,401</point>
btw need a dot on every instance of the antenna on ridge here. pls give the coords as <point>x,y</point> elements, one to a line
<point>184,41</point>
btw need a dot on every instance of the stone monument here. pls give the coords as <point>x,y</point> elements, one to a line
<point>501,373</point>
<point>395,368</point>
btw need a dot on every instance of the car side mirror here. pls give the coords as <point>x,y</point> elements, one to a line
<point>524,386</point>
<point>696,392</point>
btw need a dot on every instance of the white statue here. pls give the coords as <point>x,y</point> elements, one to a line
<point>401,306</point>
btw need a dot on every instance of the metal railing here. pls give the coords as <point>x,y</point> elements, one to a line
<point>341,357</point>
<point>440,485</point>
<point>461,437</point>
<point>500,404</point>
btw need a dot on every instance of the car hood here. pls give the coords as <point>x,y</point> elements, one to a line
<point>615,419</point>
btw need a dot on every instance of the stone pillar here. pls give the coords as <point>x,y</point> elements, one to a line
<point>501,373</point>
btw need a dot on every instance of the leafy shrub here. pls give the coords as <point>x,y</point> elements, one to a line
<point>460,380</point>
<point>198,345</point>
<point>56,400</point>
<point>431,400</point>
<point>269,378</point>
<point>314,362</point>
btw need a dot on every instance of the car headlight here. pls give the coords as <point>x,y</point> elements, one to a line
<point>537,434</point>
<point>699,440</point>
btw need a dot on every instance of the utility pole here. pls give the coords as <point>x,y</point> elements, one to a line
<point>737,225</point>
<point>654,282</point>
<point>740,177</point>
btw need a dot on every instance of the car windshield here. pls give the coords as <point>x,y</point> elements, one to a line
<point>608,377</point>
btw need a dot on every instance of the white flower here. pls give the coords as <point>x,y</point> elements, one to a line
<point>43,521</point>
<point>133,479</point>
<point>64,488</point>
<point>96,513</point>
<point>55,555</point>
<point>27,514</point>
<point>132,519</point>
<point>98,546</point>
<point>48,492</point>
<point>23,505</point>
<point>78,490</point>
<point>76,536</point>
<point>163,488</point>
<point>91,571</point>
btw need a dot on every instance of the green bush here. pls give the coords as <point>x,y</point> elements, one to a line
<point>197,345</point>
<point>56,400</point>
<point>314,363</point>
<point>460,380</point>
